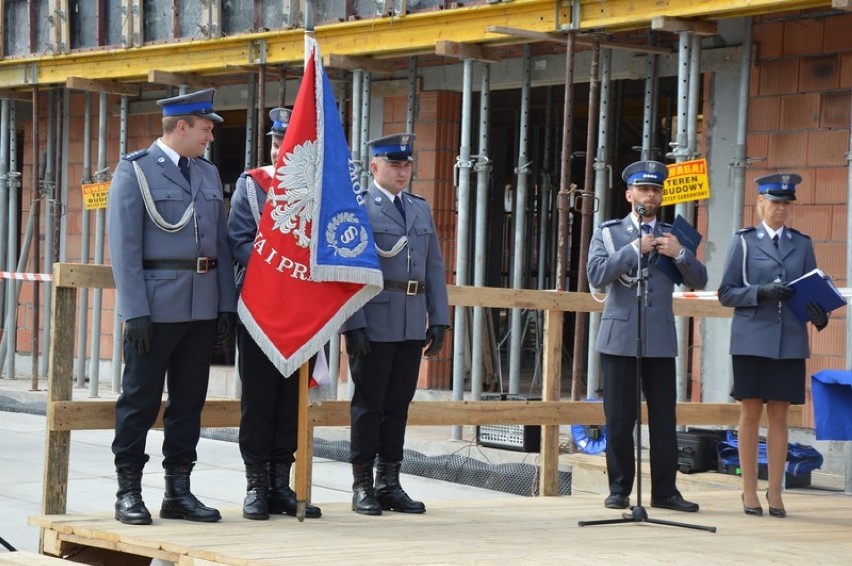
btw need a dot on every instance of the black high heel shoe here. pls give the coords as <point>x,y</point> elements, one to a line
<point>779,512</point>
<point>756,511</point>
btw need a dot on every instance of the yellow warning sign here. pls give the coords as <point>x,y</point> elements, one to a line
<point>95,195</point>
<point>687,181</point>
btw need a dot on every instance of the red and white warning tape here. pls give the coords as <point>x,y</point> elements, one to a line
<point>26,276</point>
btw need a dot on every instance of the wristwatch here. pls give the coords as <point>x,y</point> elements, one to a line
<point>680,255</point>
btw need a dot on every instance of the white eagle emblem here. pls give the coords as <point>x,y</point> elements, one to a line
<point>299,177</point>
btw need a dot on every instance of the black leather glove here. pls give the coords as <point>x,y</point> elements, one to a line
<point>817,315</point>
<point>140,333</point>
<point>357,343</point>
<point>434,340</point>
<point>774,291</point>
<point>225,325</point>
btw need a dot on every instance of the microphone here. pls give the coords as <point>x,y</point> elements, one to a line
<point>641,210</point>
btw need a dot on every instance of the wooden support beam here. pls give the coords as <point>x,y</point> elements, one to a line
<point>100,85</point>
<point>581,39</point>
<point>64,416</point>
<point>677,25</point>
<point>352,62</point>
<point>19,95</point>
<point>458,50</point>
<point>178,79</point>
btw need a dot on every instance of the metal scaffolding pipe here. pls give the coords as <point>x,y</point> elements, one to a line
<point>100,226</point>
<point>586,202</point>
<point>4,196</point>
<point>685,90</point>
<point>519,217</point>
<point>83,305</point>
<point>13,181</point>
<point>480,243</point>
<point>261,117</point>
<point>365,127</point>
<point>740,162</point>
<point>462,237</point>
<point>412,94</point>
<point>847,446</point>
<point>251,95</point>
<point>603,175</point>
<point>562,199</point>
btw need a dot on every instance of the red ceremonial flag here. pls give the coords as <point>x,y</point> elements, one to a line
<point>314,262</point>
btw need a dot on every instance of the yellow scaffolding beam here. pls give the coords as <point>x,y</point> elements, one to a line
<point>384,37</point>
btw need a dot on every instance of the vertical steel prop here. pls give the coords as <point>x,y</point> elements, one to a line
<point>85,230</point>
<point>586,206</point>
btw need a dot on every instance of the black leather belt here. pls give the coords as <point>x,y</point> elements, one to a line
<point>407,287</point>
<point>198,265</point>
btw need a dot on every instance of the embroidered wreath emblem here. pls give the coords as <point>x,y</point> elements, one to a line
<point>345,236</point>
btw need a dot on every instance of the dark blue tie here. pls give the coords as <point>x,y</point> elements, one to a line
<point>183,163</point>
<point>646,228</point>
<point>775,241</point>
<point>397,202</point>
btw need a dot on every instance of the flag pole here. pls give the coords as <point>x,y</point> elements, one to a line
<point>302,445</point>
<point>302,436</point>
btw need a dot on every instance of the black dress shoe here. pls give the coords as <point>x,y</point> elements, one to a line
<point>675,503</point>
<point>756,511</point>
<point>617,501</point>
<point>779,512</point>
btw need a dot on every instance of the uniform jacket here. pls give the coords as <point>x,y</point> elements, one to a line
<point>393,316</point>
<point>243,222</point>
<point>614,270</point>
<point>759,328</point>
<point>168,295</point>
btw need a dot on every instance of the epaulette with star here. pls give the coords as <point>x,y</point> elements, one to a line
<point>609,223</point>
<point>415,195</point>
<point>745,230</point>
<point>134,155</point>
<point>202,158</point>
<point>665,225</point>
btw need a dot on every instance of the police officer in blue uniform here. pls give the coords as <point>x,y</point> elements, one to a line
<point>619,248</point>
<point>269,422</point>
<point>769,344</point>
<point>385,340</point>
<point>175,292</point>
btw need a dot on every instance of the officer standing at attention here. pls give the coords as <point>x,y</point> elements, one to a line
<point>175,291</point>
<point>614,256</point>
<point>385,340</point>
<point>769,344</point>
<point>269,422</point>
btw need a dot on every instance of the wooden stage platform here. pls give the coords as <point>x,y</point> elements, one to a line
<point>505,531</point>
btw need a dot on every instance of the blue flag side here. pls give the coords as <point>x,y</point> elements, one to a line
<point>343,248</point>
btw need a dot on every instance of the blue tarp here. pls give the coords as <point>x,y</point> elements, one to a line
<point>801,459</point>
<point>832,394</point>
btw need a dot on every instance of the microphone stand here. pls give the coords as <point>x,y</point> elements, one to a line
<point>638,514</point>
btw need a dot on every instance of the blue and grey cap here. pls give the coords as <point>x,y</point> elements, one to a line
<point>193,104</point>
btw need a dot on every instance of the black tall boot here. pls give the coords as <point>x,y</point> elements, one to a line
<point>180,503</point>
<point>364,497</point>
<point>256,503</point>
<point>129,507</point>
<point>282,499</point>
<point>390,494</point>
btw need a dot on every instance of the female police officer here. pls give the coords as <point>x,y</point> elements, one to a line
<point>768,343</point>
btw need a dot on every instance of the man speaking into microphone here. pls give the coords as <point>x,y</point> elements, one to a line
<point>622,251</point>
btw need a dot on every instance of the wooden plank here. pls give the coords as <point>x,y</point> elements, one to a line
<point>580,39</point>
<point>550,391</point>
<point>458,50</point>
<point>60,376</point>
<point>24,558</point>
<point>353,62</point>
<point>83,275</point>
<point>99,414</point>
<point>101,85</point>
<point>677,25</point>
<point>508,530</point>
<point>158,76</point>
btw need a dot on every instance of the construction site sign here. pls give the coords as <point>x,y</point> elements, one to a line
<point>687,181</point>
<point>95,195</point>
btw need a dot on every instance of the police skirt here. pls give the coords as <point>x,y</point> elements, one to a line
<point>769,379</point>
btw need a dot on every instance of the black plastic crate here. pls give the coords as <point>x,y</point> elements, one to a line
<point>696,449</point>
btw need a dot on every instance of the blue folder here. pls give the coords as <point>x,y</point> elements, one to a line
<point>689,238</point>
<point>813,286</point>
